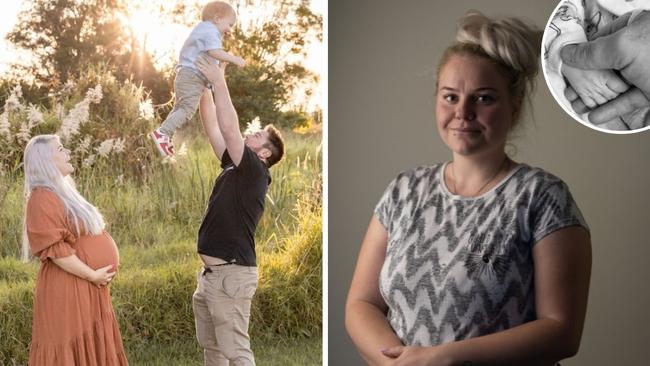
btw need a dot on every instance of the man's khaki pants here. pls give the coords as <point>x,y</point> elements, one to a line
<point>222,303</point>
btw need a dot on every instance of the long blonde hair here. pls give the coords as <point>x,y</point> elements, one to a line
<point>40,171</point>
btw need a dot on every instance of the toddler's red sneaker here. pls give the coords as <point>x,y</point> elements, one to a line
<point>163,142</point>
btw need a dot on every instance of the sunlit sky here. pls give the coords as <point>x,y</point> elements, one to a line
<point>162,41</point>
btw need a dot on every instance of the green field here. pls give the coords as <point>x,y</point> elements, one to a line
<point>268,352</point>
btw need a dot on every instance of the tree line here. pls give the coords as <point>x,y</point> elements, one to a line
<point>65,37</point>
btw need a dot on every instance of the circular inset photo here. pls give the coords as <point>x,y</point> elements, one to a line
<point>595,57</point>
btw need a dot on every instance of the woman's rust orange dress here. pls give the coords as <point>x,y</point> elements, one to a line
<point>74,322</point>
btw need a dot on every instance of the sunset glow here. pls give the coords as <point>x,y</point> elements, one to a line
<point>163,39</point>
<point>155,30</point>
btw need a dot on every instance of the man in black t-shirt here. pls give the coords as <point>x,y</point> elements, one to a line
<point>226,242</point>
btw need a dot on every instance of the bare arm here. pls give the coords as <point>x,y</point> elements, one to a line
<point>365,310</point>
<point>208,114</point>
<point>226,114</point>
<point>224,56</point>
<point>562,270</point>
<point>73,265</point>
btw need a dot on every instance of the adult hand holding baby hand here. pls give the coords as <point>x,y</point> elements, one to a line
<point>638,118</point>
<point>623,45</point>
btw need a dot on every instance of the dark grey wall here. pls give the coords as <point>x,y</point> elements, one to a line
<point>382,57</point>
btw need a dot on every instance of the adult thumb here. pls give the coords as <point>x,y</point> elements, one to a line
<point>623,104</point>
<point>600,53</point>
<point>393,352</point>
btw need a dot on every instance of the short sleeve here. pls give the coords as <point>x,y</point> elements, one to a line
<point>554,210</point>
<point>226,160</point>
<point>251,168</point>
<point>210,40</point>
<point>385,207</point>
<point>45,222</point>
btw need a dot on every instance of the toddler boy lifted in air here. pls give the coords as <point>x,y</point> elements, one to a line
<point>218,19</point>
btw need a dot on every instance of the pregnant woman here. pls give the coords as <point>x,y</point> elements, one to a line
<point>74,322</point>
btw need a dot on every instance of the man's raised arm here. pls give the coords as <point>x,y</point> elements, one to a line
<point>208,115</point>
<point>226,115</point>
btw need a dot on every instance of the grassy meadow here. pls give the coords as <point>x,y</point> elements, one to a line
<point>153,210</point>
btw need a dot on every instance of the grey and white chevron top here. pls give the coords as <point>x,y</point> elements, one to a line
<point>459,267</point>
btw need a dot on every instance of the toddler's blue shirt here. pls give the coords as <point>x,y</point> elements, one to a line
<point>204,37</point>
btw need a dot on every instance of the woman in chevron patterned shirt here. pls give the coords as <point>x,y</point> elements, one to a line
<point>482,260</point>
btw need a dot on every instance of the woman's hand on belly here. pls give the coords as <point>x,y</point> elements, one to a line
<point>73,265</point>
<point>103,276</point>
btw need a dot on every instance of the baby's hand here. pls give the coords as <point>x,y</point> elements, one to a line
<point>239,61</point>
<point>595,87</point>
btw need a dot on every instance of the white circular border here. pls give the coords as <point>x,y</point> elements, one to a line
<point>558,100</point>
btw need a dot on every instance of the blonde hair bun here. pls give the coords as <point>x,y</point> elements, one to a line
<point>513,42</point>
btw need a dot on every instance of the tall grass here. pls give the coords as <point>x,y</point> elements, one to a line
<point>153,212</point>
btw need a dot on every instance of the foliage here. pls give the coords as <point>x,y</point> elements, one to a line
<point>272,47</point>
<point>269,351</point>
<point>292,278</point>
<point>16,305</point>
<point>79,115</point>
<point>69,36</point>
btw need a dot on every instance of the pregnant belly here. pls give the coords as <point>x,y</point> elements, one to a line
<point>98,250</point>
